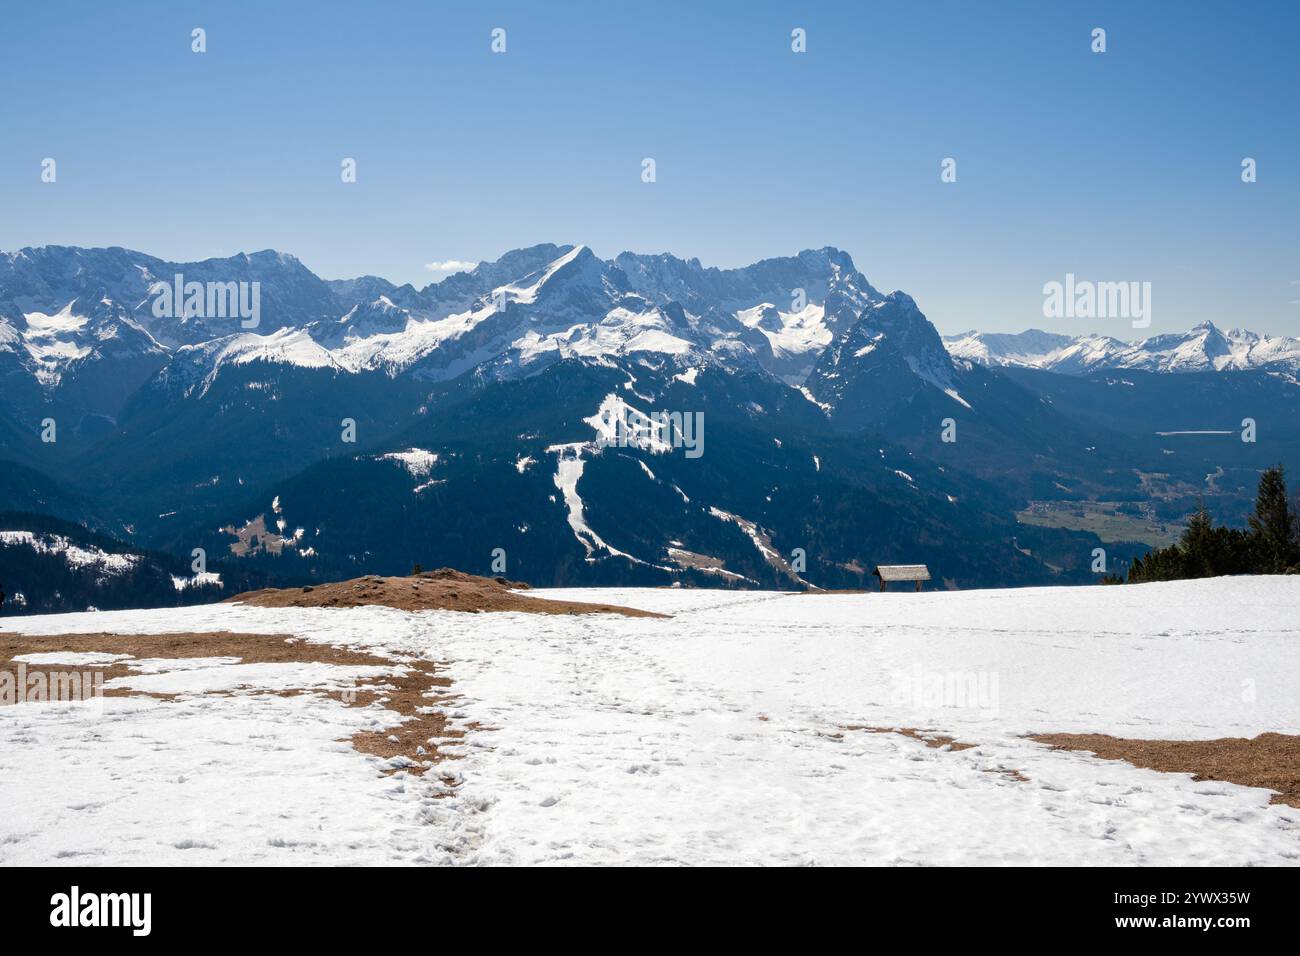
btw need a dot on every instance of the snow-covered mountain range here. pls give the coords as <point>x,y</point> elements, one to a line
<point>83,322</point>
<point>1204,348</point>
<point>65,312</point>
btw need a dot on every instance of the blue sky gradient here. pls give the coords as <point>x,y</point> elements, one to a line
<point>1116,166</point>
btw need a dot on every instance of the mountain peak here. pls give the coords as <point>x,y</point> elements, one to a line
<point>892,350</point>
<point>902,300</point>
<point>832,256</point>
<point>265,256</point>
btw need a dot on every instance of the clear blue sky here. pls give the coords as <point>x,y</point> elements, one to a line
<point>1118,166</point>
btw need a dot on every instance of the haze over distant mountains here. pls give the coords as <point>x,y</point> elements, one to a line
<point>1204,348</point>
<point>840,428</point>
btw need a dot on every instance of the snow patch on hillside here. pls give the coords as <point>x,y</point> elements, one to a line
<point>618,423</point>
<point>568,470</point>
<point>75,555</point>
<point>417,461</point>
<point>199,580</point>
<point>53,342</point>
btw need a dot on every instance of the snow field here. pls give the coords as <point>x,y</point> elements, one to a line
<point>719,736</point>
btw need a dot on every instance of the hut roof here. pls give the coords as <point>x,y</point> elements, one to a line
<point>902,572</point>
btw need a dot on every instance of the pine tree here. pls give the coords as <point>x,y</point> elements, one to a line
<point>1204,550</point>
<point>1273,525</point>
<point>1198,544</point>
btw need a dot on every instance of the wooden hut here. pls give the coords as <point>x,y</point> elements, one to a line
<point>888,573</point>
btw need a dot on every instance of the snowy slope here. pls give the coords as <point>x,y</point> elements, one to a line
<point>718,736</point>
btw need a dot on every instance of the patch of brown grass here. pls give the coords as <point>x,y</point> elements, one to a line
<point>416,695</point>
<point>444,589</point>
<point>936,740</point>
<point>414,689</point>
<point>1014,774</point>
<point>1270,761</point>
<point>928,737</point>
<point>249,648</point>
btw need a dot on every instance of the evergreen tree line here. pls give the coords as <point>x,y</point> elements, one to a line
<point>1270,545</point>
